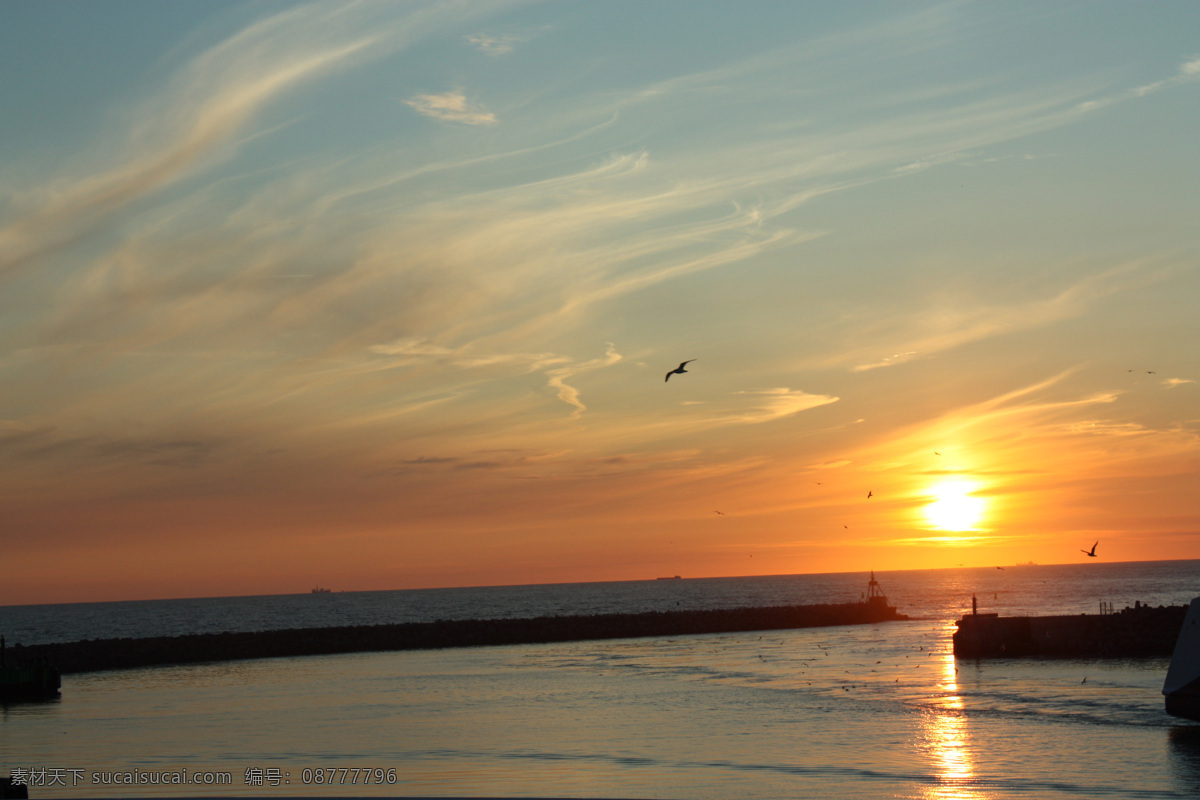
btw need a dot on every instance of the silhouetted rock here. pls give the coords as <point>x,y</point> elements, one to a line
<point>13,790</point>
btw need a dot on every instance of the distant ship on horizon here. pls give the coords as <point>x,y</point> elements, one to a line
<point>670,578</point>
<point>319,590</point>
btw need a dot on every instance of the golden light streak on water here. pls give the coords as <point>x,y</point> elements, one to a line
<point>947,737</point>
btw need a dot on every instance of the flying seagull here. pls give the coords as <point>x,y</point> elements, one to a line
<point>678,370</point>
<point>869,495</point>
<point>1092,552</point>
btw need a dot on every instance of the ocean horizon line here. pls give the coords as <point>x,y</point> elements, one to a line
<point>324,590</point>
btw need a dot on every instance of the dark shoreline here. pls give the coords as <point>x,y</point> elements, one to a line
<point>1139,632</point>
<point>94,655</point>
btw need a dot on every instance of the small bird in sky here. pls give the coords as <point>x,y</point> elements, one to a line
<point>722,513</point>
<point>678,370</point>
<point>870,495</point>
<point>1091,552</point>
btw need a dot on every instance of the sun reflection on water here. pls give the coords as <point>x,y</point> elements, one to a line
<point>947,740</point>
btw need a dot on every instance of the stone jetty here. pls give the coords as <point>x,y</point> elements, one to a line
<point>128,653</point>
<point>22,679</point>
<point>1138,632</point>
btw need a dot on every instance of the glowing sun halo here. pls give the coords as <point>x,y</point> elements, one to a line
<point>954,508</point>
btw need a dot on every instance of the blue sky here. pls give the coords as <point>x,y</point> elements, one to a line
<point>381,295</point>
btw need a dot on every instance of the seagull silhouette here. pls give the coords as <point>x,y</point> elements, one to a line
<point>1091,553</point>
<point>870,495</point>
<point>678,370</point>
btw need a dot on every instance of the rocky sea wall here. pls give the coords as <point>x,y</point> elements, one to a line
<point>93,655</point>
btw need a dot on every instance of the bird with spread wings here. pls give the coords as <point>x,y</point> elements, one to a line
<point>678,370</point>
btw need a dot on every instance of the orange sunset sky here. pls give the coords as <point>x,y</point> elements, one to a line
<point>382,295</point>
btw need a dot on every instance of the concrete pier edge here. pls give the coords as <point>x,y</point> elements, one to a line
<point>1138,632</point>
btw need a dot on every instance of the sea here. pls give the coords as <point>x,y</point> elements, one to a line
<point>864,711</point>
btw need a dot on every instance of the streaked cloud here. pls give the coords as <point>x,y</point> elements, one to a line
<point>773,404</point>
<point>205,107</point>
<point>569,394</point>
<point>451,107</point>
<point>410,346</point>
<point>1189,71</point>
<point>1108,428</point>
<point>953,320</point>
<point>896,358</point>
<point>497,44</point>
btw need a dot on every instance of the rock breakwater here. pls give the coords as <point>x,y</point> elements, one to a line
<point>128,653</point>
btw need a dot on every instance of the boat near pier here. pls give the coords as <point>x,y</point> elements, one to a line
<point>1181,689</point>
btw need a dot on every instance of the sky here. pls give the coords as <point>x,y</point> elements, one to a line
<point>382,295</point>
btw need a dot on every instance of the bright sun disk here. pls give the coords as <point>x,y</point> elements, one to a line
<point>954,507</point>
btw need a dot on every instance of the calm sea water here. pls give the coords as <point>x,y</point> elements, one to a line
<point>861,711</point>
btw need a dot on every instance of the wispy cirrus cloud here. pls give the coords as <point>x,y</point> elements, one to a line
<point>957,321</point>
<point>410,346</point>
<point>467,357</point>
<point>1102,427</point>
<point>777,403</point>
<point>451,106</point>
<point>632,223</point>
<point>888,361</point>
<point>569,394</point>
<point>558,369</point>
<point>1189,71</point>
<point>495,44</point>
<point>207,105</point>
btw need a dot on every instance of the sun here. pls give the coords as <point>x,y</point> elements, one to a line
<point>954,507</point>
